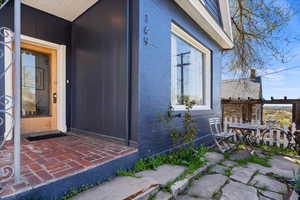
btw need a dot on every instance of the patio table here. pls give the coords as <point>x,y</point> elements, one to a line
<point>245,133</point>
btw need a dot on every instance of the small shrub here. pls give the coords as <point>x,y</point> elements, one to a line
<point>189,132</point>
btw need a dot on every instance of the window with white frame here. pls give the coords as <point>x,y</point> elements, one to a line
<point>190,71</point>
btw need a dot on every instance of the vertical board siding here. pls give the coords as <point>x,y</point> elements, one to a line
<point>134,69</point>
<point>155,74</point>
<point>100,70</point>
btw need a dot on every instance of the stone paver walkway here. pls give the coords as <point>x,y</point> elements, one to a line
<point>250,182</point>
<point>212,185</point>
<point>220,179</point>
<point>129,187</point>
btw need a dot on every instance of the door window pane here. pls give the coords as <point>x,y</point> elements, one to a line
<point>35,98</point>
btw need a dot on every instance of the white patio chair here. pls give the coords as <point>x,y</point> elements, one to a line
<point>221,138</point>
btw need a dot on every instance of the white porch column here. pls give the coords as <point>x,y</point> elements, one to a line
<point>17,108</point>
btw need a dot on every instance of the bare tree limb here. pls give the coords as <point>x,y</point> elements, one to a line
<point>258,30</point>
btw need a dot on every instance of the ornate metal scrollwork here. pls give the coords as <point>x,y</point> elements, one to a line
<point>7,58</point>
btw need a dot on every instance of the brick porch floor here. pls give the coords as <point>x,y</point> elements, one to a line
<point>47,160</point>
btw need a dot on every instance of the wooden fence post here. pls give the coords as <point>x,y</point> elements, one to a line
<point>225,124</point>
<point>294,128</point>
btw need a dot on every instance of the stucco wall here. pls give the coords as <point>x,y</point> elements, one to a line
<point>155,74</point>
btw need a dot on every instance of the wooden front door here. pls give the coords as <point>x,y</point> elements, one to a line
<point>38,88</point>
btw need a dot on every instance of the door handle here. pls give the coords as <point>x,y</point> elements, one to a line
<point>54,97</point>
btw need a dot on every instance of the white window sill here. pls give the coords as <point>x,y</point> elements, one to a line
<point>195,108</point>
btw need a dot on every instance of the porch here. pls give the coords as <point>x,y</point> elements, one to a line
<point>54,95</point>
<point>50,160</point>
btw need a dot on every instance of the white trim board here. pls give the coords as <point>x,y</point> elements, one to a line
<point>197,11</point>
<point>226,18</point>
<point>61,77</point>
<point>207,65</point>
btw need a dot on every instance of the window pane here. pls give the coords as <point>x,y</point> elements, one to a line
<point>187,72</point>
<point>35,84</point>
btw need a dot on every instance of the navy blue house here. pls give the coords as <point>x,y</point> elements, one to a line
<point>122,63</point>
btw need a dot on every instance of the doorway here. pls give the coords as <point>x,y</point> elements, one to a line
<point>38,88</point>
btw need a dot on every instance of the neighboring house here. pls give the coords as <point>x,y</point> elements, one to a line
<point>243,89</point>
<point>112,67</point>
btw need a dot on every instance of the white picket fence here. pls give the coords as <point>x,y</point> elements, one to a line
<point>264,134</point>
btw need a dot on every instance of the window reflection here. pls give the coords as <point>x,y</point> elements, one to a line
<point>35,83</point>
<point>187,72</point>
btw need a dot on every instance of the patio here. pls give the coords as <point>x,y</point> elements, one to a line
<point>238,175</point>
<point>49,160</point>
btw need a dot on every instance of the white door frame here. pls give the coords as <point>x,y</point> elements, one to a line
<point>61,78</point>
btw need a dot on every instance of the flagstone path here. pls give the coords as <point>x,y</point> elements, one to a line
<point>221,179</point>
<point>250,182</point>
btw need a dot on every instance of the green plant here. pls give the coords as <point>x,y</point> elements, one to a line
<point>226,155</point>
<point>215,194</point>
<point>282,179</point>
<point>261,160</point>
<point>228,172</point>
<point>277,150</point>
<point>190,158</point>
<point>194,196</point>
<point>152,197</point>
<point>189,132</point>
<point>263,188</point>
<point>75,192</point>
<point>151,162</point>
<point>127,173</point>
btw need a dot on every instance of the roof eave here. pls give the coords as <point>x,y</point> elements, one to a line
<point>196,10</point>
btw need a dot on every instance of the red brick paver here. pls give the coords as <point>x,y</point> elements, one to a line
<point>50,159</point>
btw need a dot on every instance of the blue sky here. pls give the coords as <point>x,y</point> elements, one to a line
<point>285,83</point>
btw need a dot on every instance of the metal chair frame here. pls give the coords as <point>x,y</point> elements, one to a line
<point>221,138</point>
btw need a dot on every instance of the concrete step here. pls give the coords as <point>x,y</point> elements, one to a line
<point>118,189</point>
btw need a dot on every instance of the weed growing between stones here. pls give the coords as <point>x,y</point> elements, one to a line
<point>127,173</point>
<point>152,197</point>
<point>277,150</point>
<point>216,194</point>
<point>228,171</point>
<point>261,160</point>
<point>190,158</point>
<point>279,178</point>
<point>75,192</point>
<point>262,188</point>
<point>297,181</point>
